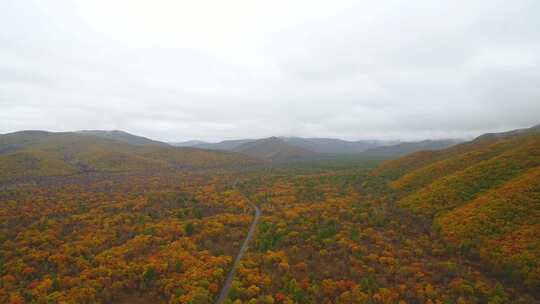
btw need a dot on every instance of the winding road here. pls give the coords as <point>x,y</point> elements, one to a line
<point>228,281</point>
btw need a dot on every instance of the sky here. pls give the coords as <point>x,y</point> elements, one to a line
<point>214,70</point>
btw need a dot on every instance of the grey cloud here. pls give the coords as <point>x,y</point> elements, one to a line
<point>398,69</point>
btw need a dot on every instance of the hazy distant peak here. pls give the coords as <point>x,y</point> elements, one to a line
<point>188,143</point>
<point>273,148</point>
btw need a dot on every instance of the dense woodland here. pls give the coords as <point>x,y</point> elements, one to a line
<point>460,225</point>
<point>117,238</point>
<point>326,238</point>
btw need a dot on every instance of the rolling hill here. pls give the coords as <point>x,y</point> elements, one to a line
<point>274,149</point>
<point>39,153</point>
<point>482,197</point>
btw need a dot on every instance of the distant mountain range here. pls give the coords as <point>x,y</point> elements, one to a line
<point>38,153</point>
<point>317,145</point>
<point>276,149</point>
<point>189,143</point>
<point>334,145</point>
<point>283,148</point>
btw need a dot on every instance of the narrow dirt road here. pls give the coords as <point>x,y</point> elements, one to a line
<point>228,281</point>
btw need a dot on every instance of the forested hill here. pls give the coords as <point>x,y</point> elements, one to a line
<point>482,197</point>
<point>274,149</point>
<point>39,153</point>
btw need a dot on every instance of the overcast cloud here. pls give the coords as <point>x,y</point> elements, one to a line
<point>211,70</point>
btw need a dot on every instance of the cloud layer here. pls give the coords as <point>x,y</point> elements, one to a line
<point>176,70</point>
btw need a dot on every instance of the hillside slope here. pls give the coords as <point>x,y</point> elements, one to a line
<point>535,128</point>
<point>39,153</point>
<point>483,198</point>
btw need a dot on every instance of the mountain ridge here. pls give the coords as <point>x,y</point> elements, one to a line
<point>123,136</point>
<point>533,129</point>
<point>336,146</point>
<point>274,149</point>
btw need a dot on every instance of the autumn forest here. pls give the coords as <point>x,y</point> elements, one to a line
<point>87,219</point>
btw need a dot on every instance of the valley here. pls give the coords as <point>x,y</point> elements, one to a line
<point>270,152</point>
<point>90,219</point>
